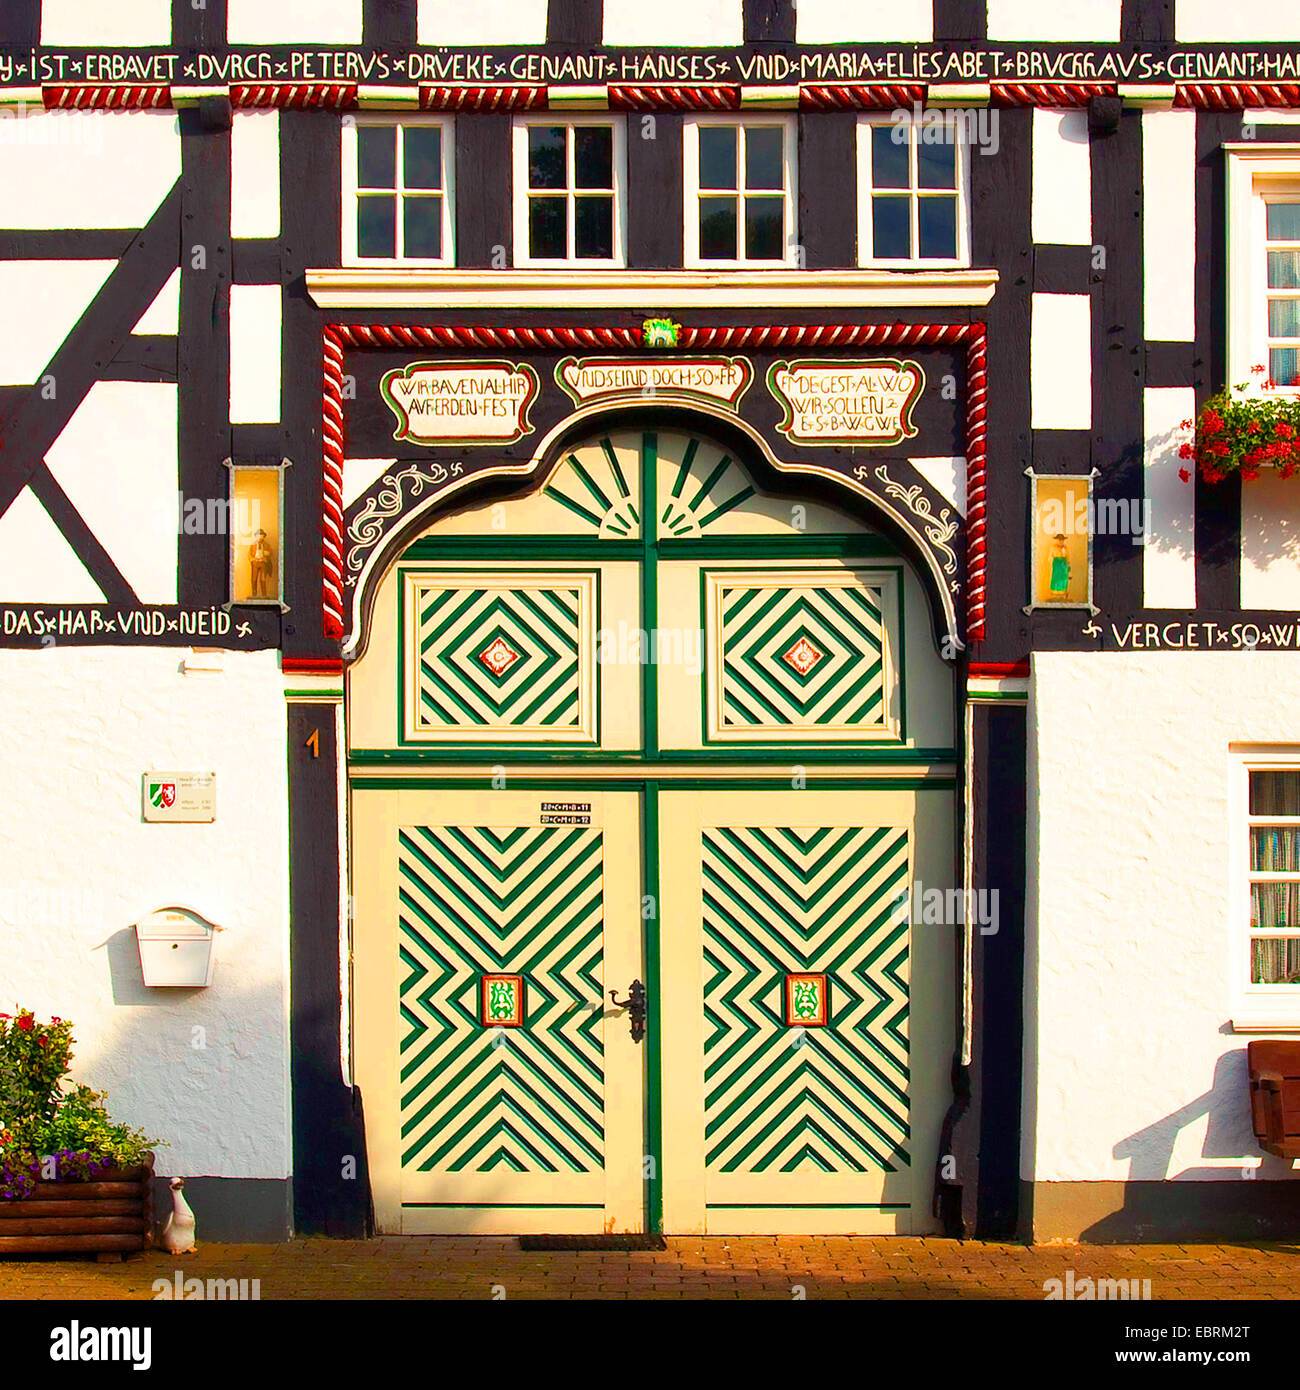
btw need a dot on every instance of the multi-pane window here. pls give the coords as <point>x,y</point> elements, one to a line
<point>740,194</point>
<point>398,191</point>
<point>912,192</point>
<point>1273,822</point>
<point>1282,274</point>
<point>569,192</point>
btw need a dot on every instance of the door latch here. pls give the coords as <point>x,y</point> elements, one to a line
<point>635,1006</point>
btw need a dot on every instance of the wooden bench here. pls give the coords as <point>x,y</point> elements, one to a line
<point>1275,1096</point>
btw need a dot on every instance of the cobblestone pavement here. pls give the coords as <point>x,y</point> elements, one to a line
<point>692,1267</point>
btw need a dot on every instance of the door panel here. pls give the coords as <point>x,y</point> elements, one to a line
<point>806,1027</point>
<point>485,941</point>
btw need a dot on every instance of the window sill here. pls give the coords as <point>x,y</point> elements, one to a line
<point>383,287</point>
<point>1272,1021</point>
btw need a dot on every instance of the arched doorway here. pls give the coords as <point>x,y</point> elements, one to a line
<point>652,730</point>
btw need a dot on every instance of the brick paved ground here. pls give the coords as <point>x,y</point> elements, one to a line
<point>717,1267</point>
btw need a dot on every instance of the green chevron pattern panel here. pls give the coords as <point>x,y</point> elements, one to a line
<point>799,658</point>
<point>522,901</point>
<point>503,661</point>
<point>796,901</point>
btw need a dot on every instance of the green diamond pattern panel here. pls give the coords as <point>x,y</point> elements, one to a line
<point>519,901</point>
<point>807,659</point>
<point>781,901</point>
<point>502,661</point>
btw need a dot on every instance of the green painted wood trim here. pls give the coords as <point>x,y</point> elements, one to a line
<point>888,754</point>
<point>397,782</point>
<point>1013,697</point>
<point>503,1206</point>
<point>762,546</point>
<point>313,696</point>
<point>654,1017</point>
<point>487,550</point>
<point>649,590</point>
<point>808,1206</point>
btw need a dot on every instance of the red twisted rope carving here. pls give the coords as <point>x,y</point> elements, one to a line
<point>976,415</point>
<point>626,97</point>
<point>332,487</point>
<point>1213,96</point>
<point>435,98</point>
<point>105,98</point>
<point>297,96</point>
<point>1048,93</point>
<point>859,96</point>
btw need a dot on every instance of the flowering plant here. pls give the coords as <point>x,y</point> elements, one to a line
<point>1240,433</point>
<point>45,1133</point>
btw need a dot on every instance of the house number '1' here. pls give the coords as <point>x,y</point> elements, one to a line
<point>313,742</point>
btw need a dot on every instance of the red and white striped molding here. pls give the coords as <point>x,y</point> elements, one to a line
<point>339,336</point>
<point>812,96</point>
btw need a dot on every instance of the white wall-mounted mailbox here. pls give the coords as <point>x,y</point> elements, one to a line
<point>176,947</point>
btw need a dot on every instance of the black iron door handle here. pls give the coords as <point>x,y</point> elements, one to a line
<point>635,1006</point>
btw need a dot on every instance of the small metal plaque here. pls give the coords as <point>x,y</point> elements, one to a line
<point>180,796</point>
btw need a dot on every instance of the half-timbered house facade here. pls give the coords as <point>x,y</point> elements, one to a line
<point>635,561</point>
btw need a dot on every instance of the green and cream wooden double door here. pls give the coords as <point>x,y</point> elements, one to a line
<point>596,761</point>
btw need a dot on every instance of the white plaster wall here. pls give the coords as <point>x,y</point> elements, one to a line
<point>484,22</point>
<point>1270,542</point>
<point>1060,361</point>
<point>1093,20</point>
<point>674,23</point>
<point>81,866</point>
<point>255,321</point>
<point>832,21</point>
<point>164,314</point>
<point>255,174</point>
<point>947,476</point>
<point>117,461</point>
<point>1130,1070</point>
<point>1061,204</point>
<point>40,303</point>
<point>1168,559</point>
<point>1266,21</point>
<point>293,21</point>
<point>125,23</point>
<point>86,168</point>
<point>36,564</point>
<point>1169,225</point>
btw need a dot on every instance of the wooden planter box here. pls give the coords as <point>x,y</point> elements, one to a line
<point>111,1216</point>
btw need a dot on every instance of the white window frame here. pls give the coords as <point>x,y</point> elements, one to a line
<point>349,255</point>
<point>1255,1008</point>
<point>1257,172</point>
<point>693,192</point>
<point>865,188</point>
<point>521,198</point>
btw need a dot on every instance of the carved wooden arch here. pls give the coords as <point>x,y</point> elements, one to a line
<point>343,571</point>
<point>723,428</point>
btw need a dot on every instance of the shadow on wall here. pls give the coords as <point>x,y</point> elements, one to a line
<point>1275,539</point>
<point>205,1071</point>
<point>1215,1202</point>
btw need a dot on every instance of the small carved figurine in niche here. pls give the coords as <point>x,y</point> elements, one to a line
<point>261,558</point>
<point>1059,579</point>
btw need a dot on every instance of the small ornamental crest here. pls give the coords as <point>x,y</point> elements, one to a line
<point>803,656</point>
<point>805,1001</point>
<point>660,333</point>
<point>162,794</point>
<point>503,1001</point>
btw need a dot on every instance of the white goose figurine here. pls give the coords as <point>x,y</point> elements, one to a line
<point>178,1229</point>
